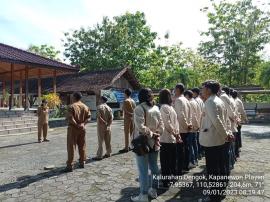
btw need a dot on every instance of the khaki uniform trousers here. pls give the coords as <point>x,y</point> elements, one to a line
<point>104,135</point>
<point>75,137</point>
<point>128,130</point>
<point>42,130</point>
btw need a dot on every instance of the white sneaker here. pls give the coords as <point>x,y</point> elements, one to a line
<point>152,193</point>
<point>191,165</point>
<point>140,198</point>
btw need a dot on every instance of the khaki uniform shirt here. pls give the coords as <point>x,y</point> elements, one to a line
<point>128,107</point>
<point>43,114</point>
<point>78,113</point>
<point>104,112</point>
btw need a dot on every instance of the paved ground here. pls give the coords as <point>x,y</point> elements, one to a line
<point>23,178</point>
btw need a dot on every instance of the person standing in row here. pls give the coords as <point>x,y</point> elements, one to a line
<point>148,121</point>
<point>213,135</point>
<point>242,119</point>
<point>128,109</point>
<point>43,120</point>
<point>169,136</point>
<point>182,108</point>
<point>198,99</point>
<point>192,140</point>
<point>77,117</point>
<point>104,122</point>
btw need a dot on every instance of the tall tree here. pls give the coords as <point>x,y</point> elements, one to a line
<point>237,33</point>
<point>124,40</point>
<point>45,51</point>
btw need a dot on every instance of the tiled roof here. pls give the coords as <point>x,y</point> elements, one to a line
<point>97,80</point>
<point>15,55</point>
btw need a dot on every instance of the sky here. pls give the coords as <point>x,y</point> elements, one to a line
<point>25,22</point>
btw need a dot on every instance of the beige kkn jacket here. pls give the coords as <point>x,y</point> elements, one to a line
<point>153,123</point>
<point>213,130</point>
<point>195,115</point>
<point>182,108</point>
<point>171,125</point>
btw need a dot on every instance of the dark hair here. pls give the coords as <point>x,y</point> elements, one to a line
<point>128,92</point>
<point>165,97</point>
<point>188,93</point>
<point>214,86</point>
<point>180,87</point>
<point>196,90</point>
<point>77,96</point>
<point>145,95</point>
<point>234,94</point>
<point>226,89</point>
<point>105,99</point>
<point>44,101</point>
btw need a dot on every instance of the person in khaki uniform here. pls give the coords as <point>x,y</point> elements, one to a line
<point>77,117</point>
<point>104,121</point>
<point>128,109</point>
<point>43,119</point>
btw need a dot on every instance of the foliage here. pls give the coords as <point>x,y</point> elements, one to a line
<point>264,75</point>
<point>236,36</point>
<point>45,51</point>
<point>124,40</point>
<point>59,112</point>
<point>52,99</point>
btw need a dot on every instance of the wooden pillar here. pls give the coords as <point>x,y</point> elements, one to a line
<point>4,93</point>
<point>39,85</point>
<point>11,103</point>
<point>54,82</point>
<point>21,90</point>
<point>26,107</point>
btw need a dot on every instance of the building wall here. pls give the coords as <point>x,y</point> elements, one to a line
<point>122,83</point>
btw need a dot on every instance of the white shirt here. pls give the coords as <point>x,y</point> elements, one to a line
<point>230,112</point>
<point>213,128</point>
<point>171,125</point>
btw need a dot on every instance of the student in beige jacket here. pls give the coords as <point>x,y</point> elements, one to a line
<point>147,121</point>
<point>182,108</point>
<point>192,140</point>
<point>214,134</point>
<point>169,137</point>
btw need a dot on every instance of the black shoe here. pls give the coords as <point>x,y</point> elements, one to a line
<point>106,156</point>
<point>46,140</point>
<point>97,159</point>
<point>124,151</point>
<point>81,165</point>
<point>39,141</point>
<point>68,170</point>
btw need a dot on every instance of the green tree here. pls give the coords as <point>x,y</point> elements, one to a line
<point>264,76</point>
<point>123,40</point>
<point>45,51</point>
<point>237,33</point>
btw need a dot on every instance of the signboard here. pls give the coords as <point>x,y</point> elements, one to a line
<point>118,95</point>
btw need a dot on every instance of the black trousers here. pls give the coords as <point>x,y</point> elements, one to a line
<point>168,160</point>
<point>179,158</point>
<point>184,137</point>
<point>215,166</point>
<point>239,135</point>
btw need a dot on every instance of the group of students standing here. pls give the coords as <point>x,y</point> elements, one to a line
<point>186,125</point>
